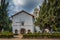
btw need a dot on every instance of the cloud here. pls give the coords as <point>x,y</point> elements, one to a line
<point>27,5</point>
<point>18,2</point>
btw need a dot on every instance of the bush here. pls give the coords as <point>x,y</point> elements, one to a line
<point>42,35</point>
<point>56,35</point>
<point>35,35</point>
<point>6,34</point>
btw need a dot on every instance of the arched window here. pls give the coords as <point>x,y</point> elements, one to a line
<point>16,31</point>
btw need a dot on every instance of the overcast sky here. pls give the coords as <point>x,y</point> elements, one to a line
<point>27,5</point>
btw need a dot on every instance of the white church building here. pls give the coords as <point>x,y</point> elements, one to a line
<point>22,22</point>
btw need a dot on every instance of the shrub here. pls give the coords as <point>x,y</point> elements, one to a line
<point>56,35</point>
<point>42,35</point>
<point>35,35</point>
<point>6,34</point>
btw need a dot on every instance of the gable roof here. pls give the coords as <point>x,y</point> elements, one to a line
<point>21,12</point>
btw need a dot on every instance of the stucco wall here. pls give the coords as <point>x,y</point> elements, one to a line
<point>28,22</point>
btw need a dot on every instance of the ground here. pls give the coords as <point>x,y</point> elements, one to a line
<point>28,39</point>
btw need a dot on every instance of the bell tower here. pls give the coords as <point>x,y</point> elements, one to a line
<point>36,12</point>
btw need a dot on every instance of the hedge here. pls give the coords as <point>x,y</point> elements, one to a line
<point>6,34</point>
<point>42,35</point>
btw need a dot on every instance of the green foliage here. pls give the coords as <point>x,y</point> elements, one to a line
<point>58,29</point>
<point>42,35</point>
<point>4,19</point>
<point>49,14</point>
<point>6,34</point>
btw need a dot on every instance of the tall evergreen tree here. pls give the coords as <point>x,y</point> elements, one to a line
<point>49,15</point>
<point>4,19</point>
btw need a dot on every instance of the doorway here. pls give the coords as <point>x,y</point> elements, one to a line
<point>22,31</point>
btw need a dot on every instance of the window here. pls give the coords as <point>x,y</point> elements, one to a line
<point>22,23</point>
<point>16,31</point>
<point>36,13</point>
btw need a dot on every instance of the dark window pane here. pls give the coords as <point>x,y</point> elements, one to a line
<point>22,23</point>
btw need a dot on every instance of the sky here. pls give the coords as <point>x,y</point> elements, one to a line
<point>27,5</point>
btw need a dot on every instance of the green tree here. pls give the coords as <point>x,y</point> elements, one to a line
<point>42,19</point>
<point>49,15</point>
<point>4,19</point>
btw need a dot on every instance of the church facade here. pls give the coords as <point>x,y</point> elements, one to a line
<point>23,21</point>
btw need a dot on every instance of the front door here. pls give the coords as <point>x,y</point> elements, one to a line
<point>22,31</point>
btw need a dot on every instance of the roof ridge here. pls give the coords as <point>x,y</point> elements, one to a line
<point>21,12</point>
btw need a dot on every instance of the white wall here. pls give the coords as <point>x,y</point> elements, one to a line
<point>28,22</point>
